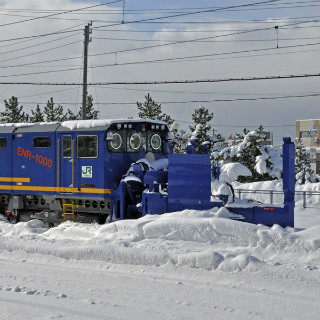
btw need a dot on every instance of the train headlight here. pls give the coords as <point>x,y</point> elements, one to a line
<point>135,141</point>
<point>116,142</point>
<point>155,141</point>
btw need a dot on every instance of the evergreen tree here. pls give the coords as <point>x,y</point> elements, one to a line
<point>201,128</point>
<point>248,155</point>
<point>303,170</point>
<point>37,115</point>
<point>53,113</point>
<point>151,110</point>
<point>180,137</point>
<point>254,155</point>
<point>13,112</point>
<point>90,112</point>
<point>71,116</point>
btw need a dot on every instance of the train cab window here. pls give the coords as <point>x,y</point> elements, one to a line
<point>116,141</point>
<point>3,143</point>
<point>154,141</point>
<point>136,141</point>
<point>87,146</point>
<point>66,146</point>
<point>41,142</point>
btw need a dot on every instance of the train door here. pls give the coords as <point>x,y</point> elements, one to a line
<point>67,164</point>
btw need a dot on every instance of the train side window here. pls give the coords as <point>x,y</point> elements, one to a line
<point>41,142</point>
<point>87,146</point>
<point>66,146</point>
<point>3,143</point>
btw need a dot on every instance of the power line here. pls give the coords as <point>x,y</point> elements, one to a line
<point>102,11</point>
<point>176,59</point>
<point>39,44</point>
<point>34,53</point>
<point>194,101</point>
<point>41,35</point>
<point>296,76</point>
<point>55,14</point>
<point>188,41</point>
<point>192,13</point>
<point>201,41</point>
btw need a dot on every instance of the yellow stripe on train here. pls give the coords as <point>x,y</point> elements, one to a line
<point>12,179</point>
<point>55,189</point>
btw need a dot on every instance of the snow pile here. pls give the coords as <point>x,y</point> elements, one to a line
<point>88,124</point>
<point>161,164</point>
<point>18,125</point>
<point>274,156</point>
<point>194,239</point>
<point>85,124</point>
<point>231,171</point>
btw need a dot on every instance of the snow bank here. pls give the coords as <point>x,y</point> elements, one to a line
<point>193,239</point>
<point>231,171</point>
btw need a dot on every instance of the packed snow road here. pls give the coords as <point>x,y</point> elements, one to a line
<point>43,287</point>
<point>187,265</point>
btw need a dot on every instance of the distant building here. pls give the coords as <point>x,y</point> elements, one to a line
<point>232,140</point>
<point>308,133</point>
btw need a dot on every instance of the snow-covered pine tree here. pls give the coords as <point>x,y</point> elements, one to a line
<point>303,170</point>
<point>248,156</point>
<point>52,112</point>
<point>151,110</point>
<point>13,112</point>
<point>263,161</point>
<point>180,137</point>
<point>201,127</point>
<point>37,115</point>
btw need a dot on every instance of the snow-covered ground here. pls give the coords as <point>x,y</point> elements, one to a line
<point>186,265</point>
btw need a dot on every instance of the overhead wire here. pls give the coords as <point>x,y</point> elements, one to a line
<point>137,10</point>
<point>167,44</point>
<point>55,14</point>
<point>164,82</point>
<point>190,13</point>
<point>198,101</point>
<point>223,54</point>
<point>199,39</point>
<point>39,44</point>
<point>35,53</point>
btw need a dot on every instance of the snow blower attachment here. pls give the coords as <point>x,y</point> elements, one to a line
<point>184,182</point>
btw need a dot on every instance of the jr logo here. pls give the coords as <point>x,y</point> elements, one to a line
<point>86,171</point>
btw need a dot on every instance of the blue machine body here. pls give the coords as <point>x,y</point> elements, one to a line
<point>189,187</point>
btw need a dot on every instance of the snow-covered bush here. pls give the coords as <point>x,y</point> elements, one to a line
<point>264,162</point>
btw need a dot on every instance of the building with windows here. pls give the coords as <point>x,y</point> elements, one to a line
<point>308,133</point>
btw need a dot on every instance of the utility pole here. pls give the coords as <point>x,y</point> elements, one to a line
<point>87,32</point>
